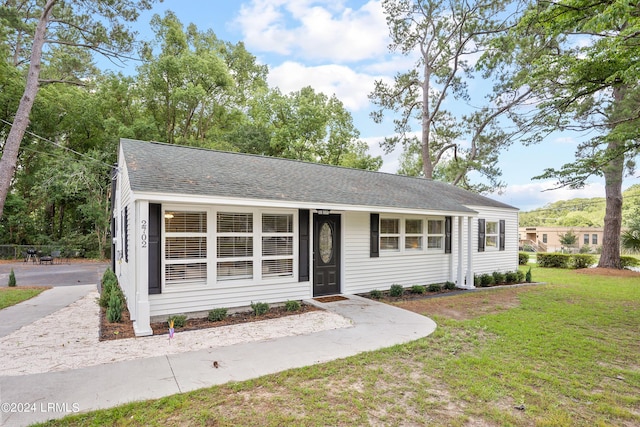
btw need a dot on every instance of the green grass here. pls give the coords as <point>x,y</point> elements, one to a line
<point>568,352</point>
<point>12,296</point>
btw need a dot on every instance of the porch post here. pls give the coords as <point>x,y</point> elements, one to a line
<point>140,232</point>
<point>459,276</point>
<point>470,284</point>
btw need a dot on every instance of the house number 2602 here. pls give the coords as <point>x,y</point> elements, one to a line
<point>143,233</point>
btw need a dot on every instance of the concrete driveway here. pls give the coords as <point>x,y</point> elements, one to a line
<point>64,274</point>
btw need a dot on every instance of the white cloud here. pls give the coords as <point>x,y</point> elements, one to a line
<point>314,30</point>
<point>350,87</point>
<point>537,194</point>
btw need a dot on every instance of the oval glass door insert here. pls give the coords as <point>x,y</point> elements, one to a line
<point>326,243</point>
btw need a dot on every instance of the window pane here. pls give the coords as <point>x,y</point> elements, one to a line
<point>235,222</point>
<point>230,247</point>
<point>185,222</point>
<point>492,242</point>
<point>185,247</point>
<point>389,243</point>
<point>277,267</point>
<point>186,272</point>
<point>277,246</point>
<point>586,239</point>
<point>413,226</point>
<point>435,227</point>
<point>492,228</point>
<point>277,223</point>
<point>230,270</point>
<point>594,240</point>
<point>389,226</point>
<point>413,242</point>
<point>434,242</point>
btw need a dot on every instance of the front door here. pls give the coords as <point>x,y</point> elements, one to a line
<point>326,254</point>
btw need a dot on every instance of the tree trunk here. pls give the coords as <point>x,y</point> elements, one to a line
<point>613,173</point>
<point>21,119</point>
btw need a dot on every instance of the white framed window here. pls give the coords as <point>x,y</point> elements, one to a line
<point>185,247</point>
<point>413,234</point>
<point>277,245</point>
<point>234,245</point>
<point>435,234</point>
<point>389,234</point>
<point>491,235</point>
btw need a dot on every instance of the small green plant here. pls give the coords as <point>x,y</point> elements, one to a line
<point>179,320</point>
<point>477,280</point>
<point>553,260</point>
<point>396,290</point>
<point>260,308</point>
<point>434,287</point>
<point>418,289</point>
<point>114,310</point>
<point>583,260</point>
<point>486,280</point>
<point>449,286</point>
<point>217,314</point>
<point>523,258</point>
<point>520,276</point>
<point>629,261</point>
<point>498,277</point>
<point>511,276</point>
<point>12,279</point>
<point>292,305</point>
<point>376,294</point>
<point>109,284</point>
<point>527,277</point>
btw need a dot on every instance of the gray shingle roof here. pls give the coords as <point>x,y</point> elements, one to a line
<point>166,168</point>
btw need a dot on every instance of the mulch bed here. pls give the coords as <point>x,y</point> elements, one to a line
<point>124,329</point>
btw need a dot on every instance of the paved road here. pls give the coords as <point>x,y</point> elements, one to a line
<point>65,274</point>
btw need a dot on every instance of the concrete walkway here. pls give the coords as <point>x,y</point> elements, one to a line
<point>39,397</point>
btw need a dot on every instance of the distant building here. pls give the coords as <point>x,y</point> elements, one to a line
<point>547,239</point>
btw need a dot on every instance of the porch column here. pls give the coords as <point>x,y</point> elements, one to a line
<point>459,276</point>
<point>140,234</point>
<point>470,284</point>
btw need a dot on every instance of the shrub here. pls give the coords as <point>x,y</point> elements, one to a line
<point>585,249</point>
<point>527,276</point>
<point>629,261</point>
<point>179,320</point>
<point>486,280</point>
<point>396,290</point>
<point>449,286</point>
<point>434,287</point>
<point>109,275</point>
<point>523,258</point>
<point>108,285</point>
<point>477,280</point>
<point>217,314</point>
<point>12,279</point>
<point>498,277</point>
<point>583,260</point>
<point>418,289</point>
<point>260,308</point>
<point>376,294</point>
<point>114,311</point>
<point>520,276</point>
<point>553,260</point>
<point>511,277</point>
<point>292,306</point>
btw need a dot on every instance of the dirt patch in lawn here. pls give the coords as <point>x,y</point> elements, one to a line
<point>467,305</point>
<point>124,329</point>
<point>608,272</point>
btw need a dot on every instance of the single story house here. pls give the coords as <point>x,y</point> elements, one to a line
<point>547,238</point>
<point>195,229</point>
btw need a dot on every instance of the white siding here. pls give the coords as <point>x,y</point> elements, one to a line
<point>125,270</point>
<point>361,273</point>
<point>492,259</point>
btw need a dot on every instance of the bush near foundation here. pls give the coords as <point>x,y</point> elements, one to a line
<point>217,314</point>
<point>396,291</point>
<point>292,305</point>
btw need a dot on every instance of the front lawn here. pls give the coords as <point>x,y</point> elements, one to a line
<point>12,296</point>
<point>560,354</point>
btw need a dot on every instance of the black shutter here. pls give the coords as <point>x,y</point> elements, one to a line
<point>502,232</point>
<point>303,245</point>
<point>447,235</point>
<point>112,205</point>
<point>481,232</point>
<point>154,239</point>
<point>126,234</point>
<point>374,249</point>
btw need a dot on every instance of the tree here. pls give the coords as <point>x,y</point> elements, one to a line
<point>568,239</point>
<point>588,82</point>
<point>447,35</point>
<point>91,25</point>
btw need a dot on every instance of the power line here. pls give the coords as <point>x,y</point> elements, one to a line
<point>59,146</point>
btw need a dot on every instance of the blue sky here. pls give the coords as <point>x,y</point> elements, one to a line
<point>340,47</point>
